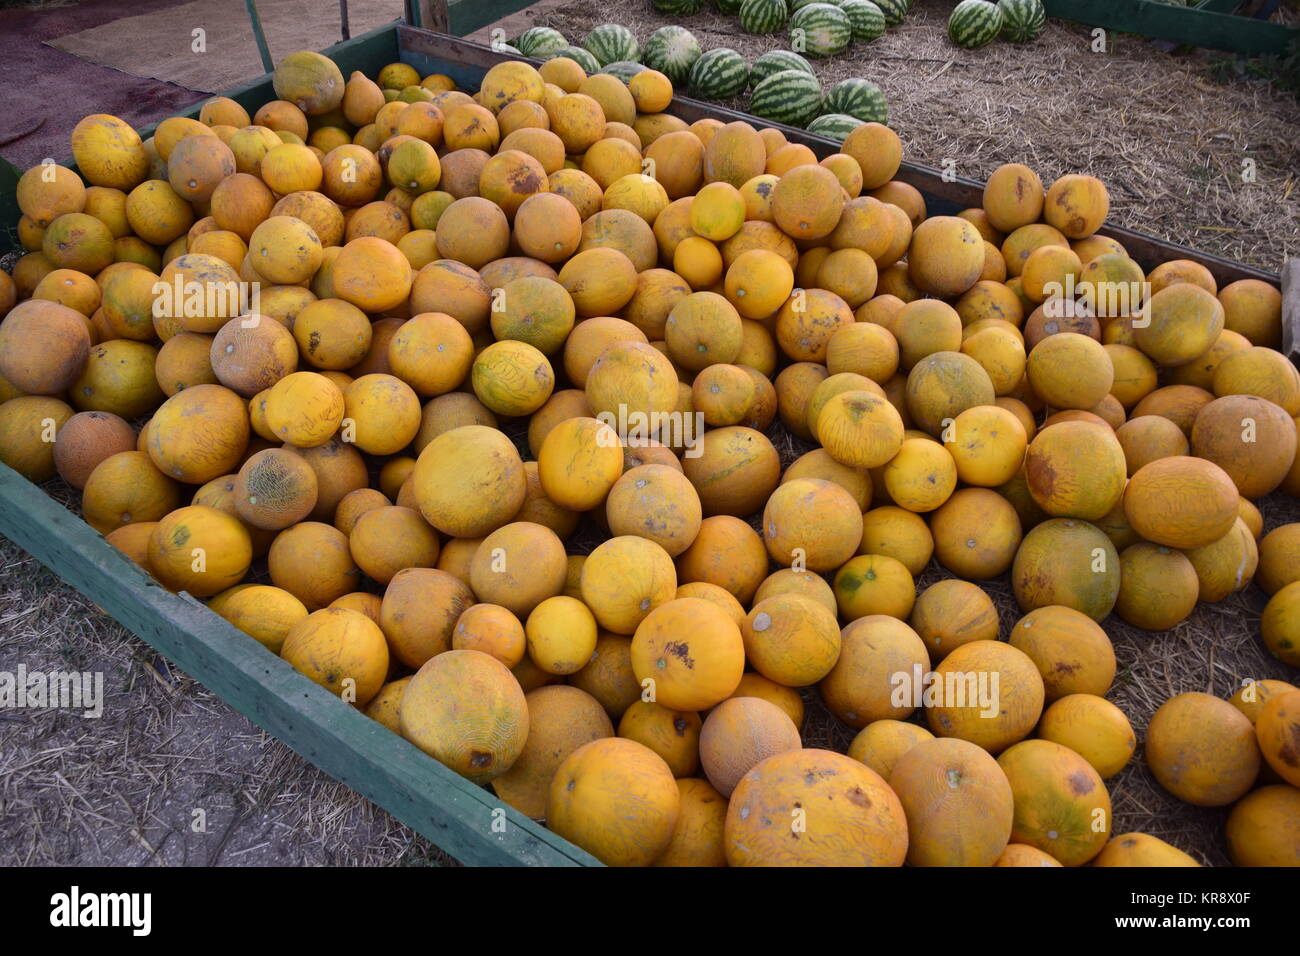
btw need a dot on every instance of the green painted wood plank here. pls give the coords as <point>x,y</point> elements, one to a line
<point>1195,27</point>
<point>469,15</point>
<point>435,802</point>
<point>1218,6</point>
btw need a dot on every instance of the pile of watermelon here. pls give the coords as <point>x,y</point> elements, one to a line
<point>976,23</point>
<point>783,84</point>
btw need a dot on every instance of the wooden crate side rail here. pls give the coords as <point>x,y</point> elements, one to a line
<point>467,61</point>
<point>1196,26</point>
<point>453,813</point>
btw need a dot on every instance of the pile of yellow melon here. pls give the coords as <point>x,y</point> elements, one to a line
<point>488,326</point>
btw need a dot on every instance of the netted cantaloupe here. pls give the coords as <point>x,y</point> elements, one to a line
<point>987,692</point>
<point>740,733</point>
<point>1076,470</point>
<point>1202,750</point>
<point>1181,502</point>
<point>843,813</point>
<point>958,803</point>
<point>85,440</point>
<point>1263,828</point>
<point>1061,804</point>
<point>466,710</point>
<point>1250,438</point>
<point>1092,727</point>
<point>1068,562</point>
<point>616,799</point>
<point>44,347</point>
<point>861,687</point>
<point>274,489</point>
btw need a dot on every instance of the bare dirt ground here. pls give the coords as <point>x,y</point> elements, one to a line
<point>1168,132</point>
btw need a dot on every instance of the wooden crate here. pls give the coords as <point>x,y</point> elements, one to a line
<point>464,820</point>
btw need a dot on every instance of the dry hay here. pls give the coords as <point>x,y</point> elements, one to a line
<point>1165,133</point>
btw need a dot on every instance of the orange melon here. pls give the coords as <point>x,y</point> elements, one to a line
<point>616,799</point>
<point>1202,750</point>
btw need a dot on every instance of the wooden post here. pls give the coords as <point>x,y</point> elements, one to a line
<point>1291,309</point>
<point>428,15</point>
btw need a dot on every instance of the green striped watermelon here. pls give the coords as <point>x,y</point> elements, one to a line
<point>836,126</point>
<point>679,8</point>
<point>1022,20</point>
<point>792,97</point>
<point>774,61</point>
<point>894,10</point>
<point>719,74</point>
<point>728,8</point>
<point>866,20</point>
<point>974,23</point>
<point>762,16</point>
<point>820,29</point>
<point>578,55</point>
<point>611,42</point>
<point>672,50</point>
<point>799,4</point>
<point>540,41</point>
<point>623,69</point>
<point>858,98</point>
